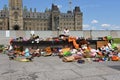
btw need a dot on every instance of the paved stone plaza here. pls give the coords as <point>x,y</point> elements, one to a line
<point>52,68</point>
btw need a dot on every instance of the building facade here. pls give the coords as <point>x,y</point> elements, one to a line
<point>17,17</point>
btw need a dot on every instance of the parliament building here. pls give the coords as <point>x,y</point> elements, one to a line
<point>17,17</point>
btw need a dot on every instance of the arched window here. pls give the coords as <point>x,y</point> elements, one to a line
<point>16,15</point>
<point>29,28</point>
<point>16,27</point>
<point>1,23</point>
<point>0,28</point>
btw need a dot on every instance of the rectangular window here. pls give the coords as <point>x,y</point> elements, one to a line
<point>0,23</point>
<point>0,28</point>
<point>78,23</point>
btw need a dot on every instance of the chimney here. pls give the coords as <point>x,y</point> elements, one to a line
<point>30,9</point>
<point>34,9</point>
<point>77,9</point>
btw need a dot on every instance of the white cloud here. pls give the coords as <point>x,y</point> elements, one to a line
<point>94,21</point>
<point>59,6</point>
<point>93,28</point>
<point>105,25</point>
<point>115,27</point>
<point>86,26</point>
<point>110,27</point>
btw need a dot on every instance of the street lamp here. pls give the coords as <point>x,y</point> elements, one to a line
<point>91,33</point>
<point>56,19</point>
<point>58,28</point>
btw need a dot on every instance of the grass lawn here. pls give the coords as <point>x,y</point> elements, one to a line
<point>116,40</point>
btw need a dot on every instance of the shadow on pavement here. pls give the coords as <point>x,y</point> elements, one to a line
<point>117,67</point>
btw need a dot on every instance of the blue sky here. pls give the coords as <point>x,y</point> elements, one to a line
<point>97,14</point>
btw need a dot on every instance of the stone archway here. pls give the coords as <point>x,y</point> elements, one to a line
<point>16,27</point>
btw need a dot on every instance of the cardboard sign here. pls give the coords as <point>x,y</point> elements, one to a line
<point>7,33</point>
<point>32,32</point>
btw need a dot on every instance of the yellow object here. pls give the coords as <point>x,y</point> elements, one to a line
<point>22,60</point>
<point>65,50</point>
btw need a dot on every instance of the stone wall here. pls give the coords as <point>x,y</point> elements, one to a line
<point>5,36</point>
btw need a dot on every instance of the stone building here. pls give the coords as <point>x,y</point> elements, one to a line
<point>17,17</point>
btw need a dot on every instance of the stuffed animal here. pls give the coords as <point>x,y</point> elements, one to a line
<point>48,51</point>
<point>68,59</point>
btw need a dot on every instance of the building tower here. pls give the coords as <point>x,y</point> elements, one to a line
<point>15,15</point>
<point>70,5</point>
<point>55,17</point>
